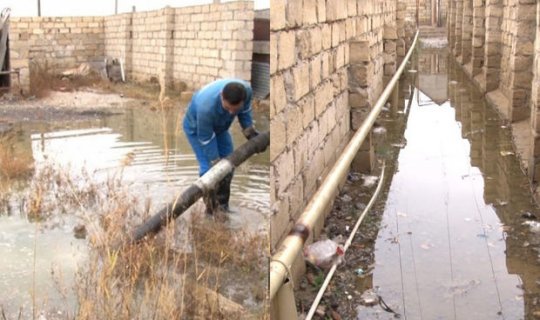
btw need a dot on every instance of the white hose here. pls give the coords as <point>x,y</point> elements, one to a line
<point>347,245</point>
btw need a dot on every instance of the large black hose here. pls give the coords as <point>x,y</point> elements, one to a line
<point>207,182</point>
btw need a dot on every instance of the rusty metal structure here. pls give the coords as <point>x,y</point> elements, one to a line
<point>5,66</point>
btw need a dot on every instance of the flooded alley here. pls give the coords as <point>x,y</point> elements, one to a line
<point>455,235</point>
<point>459,237</point>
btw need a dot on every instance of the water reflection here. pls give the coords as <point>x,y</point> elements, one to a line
<point>452,243</point>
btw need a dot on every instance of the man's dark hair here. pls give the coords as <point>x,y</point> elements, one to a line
<point>234,93</point>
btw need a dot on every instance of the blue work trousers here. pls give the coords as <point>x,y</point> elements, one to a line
<point>224,145</point>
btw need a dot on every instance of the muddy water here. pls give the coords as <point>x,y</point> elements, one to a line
<point>453,243</point>
<point>154,161</point>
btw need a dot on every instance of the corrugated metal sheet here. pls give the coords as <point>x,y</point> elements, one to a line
<point>260,79</point>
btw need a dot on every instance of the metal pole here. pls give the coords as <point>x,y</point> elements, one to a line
<point>39,8</point>
<point>115,6</point>
<point>292,245</point>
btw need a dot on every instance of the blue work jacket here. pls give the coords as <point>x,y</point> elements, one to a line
<point>206,117</point>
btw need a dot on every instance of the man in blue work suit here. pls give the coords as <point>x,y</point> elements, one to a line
<point>206,125</point>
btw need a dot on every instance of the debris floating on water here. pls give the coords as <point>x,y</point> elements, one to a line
<point>507,153</point>
<point>369,298</point>
<point>324,253</point>
<point>369,181</point>
<point>534,226</point>
<point>379,130</point>
<point>528,215</point>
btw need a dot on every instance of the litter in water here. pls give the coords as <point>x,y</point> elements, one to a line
<point>324,253</point>
<point>369,181</point>
<point>379,130</point>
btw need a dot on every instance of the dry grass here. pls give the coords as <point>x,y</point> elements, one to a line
<point>154,279</point>
<point>12,165</point>
<point>44,79</point>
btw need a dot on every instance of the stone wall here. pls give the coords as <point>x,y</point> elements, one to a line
<point>534,158</point>
<point>503,63</point>
<point>55,43</point>
<point>309,109</point>
<point>213,41</point>
<point>329,63</point>
<point>497,48</point>
<point>119,39</point>
<point>190,45</point>
<point>426,11</point>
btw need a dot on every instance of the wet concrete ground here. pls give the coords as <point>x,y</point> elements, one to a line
<point>141,146</point>
<point>455,236</point>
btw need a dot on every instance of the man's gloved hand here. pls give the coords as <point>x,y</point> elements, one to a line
<point>250,133</point>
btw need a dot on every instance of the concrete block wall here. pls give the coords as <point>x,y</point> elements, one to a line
<point>492,45</point>
<point>59,42</point>
<point>119,39</point>
<point>534,159</point>
<point>149,44</point>
<point>213,41</point>
<point>191,45</point>
<point>425,11</point>
<point>466,33</point>
<point>505,55</point>
<point>478,36</point>
<point>496,48</point>
<point>309,107</point>
<point>328,61</point>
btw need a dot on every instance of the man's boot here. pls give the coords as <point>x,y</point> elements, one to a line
<point>224,192</point>
<point>210,201</point>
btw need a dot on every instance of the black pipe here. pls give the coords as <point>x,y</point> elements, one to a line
<point>195,191</point>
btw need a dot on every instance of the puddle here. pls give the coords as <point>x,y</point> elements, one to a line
<point>452,244</point>
<point>137,146</point>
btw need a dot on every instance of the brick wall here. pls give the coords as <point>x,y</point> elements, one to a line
<point>191,45</point>
<point>61,42</point>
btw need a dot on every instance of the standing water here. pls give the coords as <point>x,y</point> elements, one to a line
<point>456,240</point>
<point>144,150</point>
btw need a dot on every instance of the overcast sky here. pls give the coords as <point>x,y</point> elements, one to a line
<point>98,7</point>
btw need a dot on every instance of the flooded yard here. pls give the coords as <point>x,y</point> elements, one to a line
<point>456,234</point>
<point>92,168</point>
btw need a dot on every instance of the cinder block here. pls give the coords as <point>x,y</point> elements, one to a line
<point>301,80</point>
<point>279,136</point>
<point>286,50</point>
<point>359,52</point>
<point>284,169</point>
<point>307,105</point>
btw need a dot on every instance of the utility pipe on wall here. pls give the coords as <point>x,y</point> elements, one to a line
<point>292,245</point>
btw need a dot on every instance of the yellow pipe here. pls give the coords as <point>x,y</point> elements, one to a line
<point>294,242</point>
